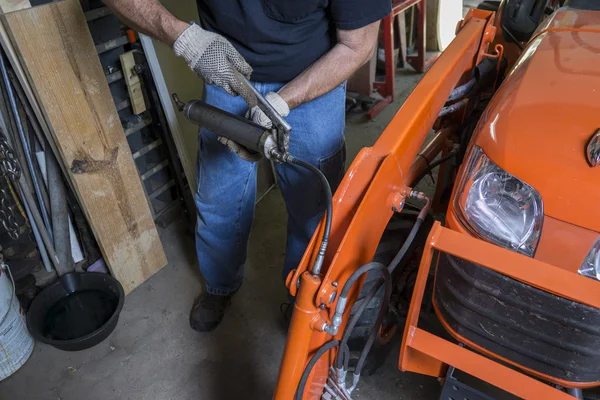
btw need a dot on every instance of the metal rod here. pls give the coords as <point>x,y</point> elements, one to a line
<point>137,126</point>
<point>27,107</point>
<point>38,238</point>
<point>146,149</point>
<point>111,44</point>
<point>115,76</point>
<point>162,189</point>
<point>154,170</point>
<point>27,198</point>
<point>122,104</point>
<point>97,13</point>
<point>26,150</point>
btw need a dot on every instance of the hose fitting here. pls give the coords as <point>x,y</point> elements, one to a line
<point>355,379</point>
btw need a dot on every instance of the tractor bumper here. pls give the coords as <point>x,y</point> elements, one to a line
<point>508,307</point>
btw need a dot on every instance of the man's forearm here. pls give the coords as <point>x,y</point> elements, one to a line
<point>353,49</point>
<point>149,17</point>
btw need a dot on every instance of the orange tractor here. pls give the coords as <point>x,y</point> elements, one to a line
<point>512,273</point>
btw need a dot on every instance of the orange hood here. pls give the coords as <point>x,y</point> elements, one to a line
<point>538,125</point>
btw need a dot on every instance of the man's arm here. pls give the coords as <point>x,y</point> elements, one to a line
<point>149,17</point>
<point>208,54</point>
<point>354,48</point>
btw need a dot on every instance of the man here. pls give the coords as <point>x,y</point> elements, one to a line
<point>299,54</point>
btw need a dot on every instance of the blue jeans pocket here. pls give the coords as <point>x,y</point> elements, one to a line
<point>333,166</point>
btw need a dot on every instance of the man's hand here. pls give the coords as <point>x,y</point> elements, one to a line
<point>213,59</point>
<point>210,55</point>
<point>258,116</point>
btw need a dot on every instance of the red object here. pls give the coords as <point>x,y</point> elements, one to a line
<point>387,88</point>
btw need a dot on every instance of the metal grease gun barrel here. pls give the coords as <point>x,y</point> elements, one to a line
<point>240,130</point>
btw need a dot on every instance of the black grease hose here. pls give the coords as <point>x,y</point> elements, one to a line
<point>366,300</point>
<point>311,364</point>
<point>329,197</point>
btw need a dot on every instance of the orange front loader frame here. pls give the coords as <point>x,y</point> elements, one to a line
<point>373,189</point>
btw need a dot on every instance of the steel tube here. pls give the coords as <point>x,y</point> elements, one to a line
<point>26,149</point>
<point>28,199</point>
<point>38,238</point>
<point>59,212</point>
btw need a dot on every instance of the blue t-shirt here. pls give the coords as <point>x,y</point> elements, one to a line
<point>281,38</point>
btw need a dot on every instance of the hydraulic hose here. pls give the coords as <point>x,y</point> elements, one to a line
<point>311,364</point>
<point>344,351</point>
<point>343,355</point>
<point>374,330</point>
<point>328,196</point>
<point>413,233</point>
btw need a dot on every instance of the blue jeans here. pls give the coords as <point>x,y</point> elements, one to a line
<point>226,192</point>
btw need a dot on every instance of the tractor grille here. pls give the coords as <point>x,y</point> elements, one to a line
<point>533,328</point>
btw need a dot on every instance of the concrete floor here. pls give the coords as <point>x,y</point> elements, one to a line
<point>153,354</point>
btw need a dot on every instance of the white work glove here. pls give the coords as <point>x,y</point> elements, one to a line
<point>258,116</point>
<point>214,59</point>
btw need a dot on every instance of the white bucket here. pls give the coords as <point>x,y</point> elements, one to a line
<point>16,344</point>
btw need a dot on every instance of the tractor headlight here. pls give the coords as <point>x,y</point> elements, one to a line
<point>498,206</point>
<point>591,264</point>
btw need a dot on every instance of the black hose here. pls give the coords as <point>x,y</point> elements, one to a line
<point>311,364</point>
<point>431,166</point>
<point>407,243</point>
<point>328,197</point>
<point>375,329</point>
<point>511,36</point>
<point>357,274</point>
<point>343,355</point>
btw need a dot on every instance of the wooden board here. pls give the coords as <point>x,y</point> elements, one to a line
<point>59,59</point>
<point>133,82</point>
<point>7,6</point>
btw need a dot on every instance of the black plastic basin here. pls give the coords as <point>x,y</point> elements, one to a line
<point>77,311</point>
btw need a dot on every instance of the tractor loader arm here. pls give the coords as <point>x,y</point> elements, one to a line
<point>373,189</point>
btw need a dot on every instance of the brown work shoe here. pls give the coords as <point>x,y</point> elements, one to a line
<point>208,311</point>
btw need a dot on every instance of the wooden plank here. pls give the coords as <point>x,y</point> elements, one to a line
<point>7,6</point>
<point>59,58</point>
<point>133,82</point>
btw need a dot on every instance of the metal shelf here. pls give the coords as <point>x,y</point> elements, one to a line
<point>147,148</point>
<point>111,44</point>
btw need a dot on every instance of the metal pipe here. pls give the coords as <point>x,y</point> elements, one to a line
<point>59,212</point>
<point>38,238</point>
<point>27,107</point>
<point>24,192</point>
<point>26,149</point>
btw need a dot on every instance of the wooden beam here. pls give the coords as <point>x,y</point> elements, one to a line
<point>7,6</point>
<point>59,59</point>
